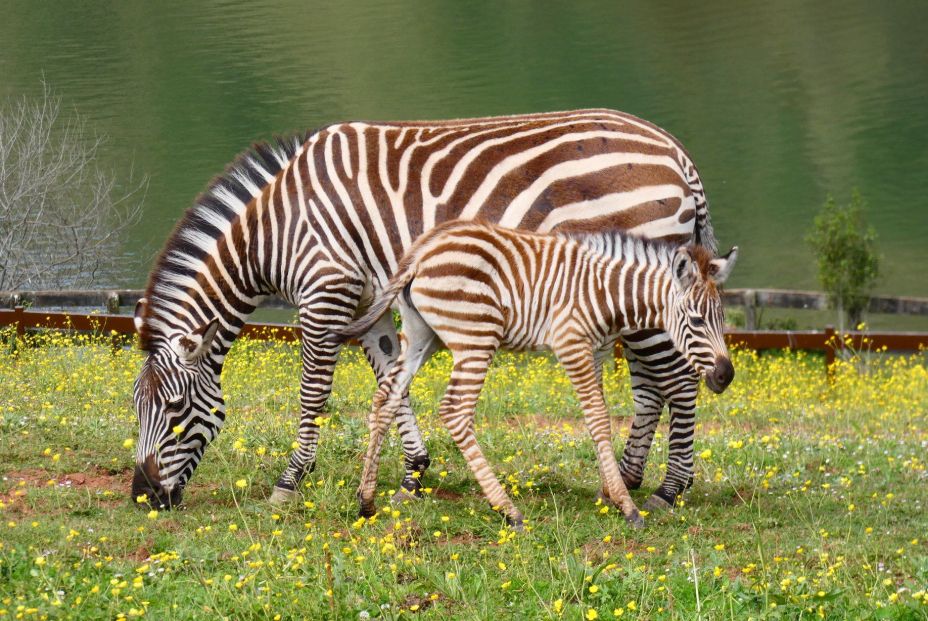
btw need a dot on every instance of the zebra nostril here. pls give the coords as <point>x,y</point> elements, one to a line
<point>724,372</point>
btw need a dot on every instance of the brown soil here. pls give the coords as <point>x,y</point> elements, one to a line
<point>424,602</point>
<point>446,494</point>
<point>94,480</point>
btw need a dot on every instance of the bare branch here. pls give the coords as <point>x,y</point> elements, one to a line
<point>62,219</point>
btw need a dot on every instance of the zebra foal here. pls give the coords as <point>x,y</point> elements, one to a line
<point>476,287</point>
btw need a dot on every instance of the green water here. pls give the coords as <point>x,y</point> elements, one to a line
<point>779,103</point>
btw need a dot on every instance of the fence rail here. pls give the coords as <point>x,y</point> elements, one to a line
<point>750,299</point>
<point>827,341</point>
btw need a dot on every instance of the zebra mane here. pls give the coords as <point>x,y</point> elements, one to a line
<point>211,216</point>
<point>617,244</point>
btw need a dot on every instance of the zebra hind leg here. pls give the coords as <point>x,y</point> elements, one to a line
<point>381,348</point>
<point>457,413</point>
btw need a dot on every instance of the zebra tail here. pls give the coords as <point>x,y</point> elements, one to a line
<point>380,306</point>
<point>404,275</point>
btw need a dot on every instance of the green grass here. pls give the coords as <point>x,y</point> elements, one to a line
<point>809,500</point>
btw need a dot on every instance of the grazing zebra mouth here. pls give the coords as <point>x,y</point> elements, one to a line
<point>145,482</point>
<point>721,375</point>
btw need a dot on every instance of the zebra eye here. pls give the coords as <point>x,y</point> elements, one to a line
<point>698,322</point>
<point>174,403</point>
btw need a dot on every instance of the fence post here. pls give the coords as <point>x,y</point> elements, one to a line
<point>112,303</point>
<point>750,309</point>
<point>831,343</point>
<point>20,320</point>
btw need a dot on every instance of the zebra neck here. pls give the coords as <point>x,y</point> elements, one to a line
<point>641,294</point>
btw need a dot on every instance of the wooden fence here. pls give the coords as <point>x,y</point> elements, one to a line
<point>827,341</point>
<point>750,299</point>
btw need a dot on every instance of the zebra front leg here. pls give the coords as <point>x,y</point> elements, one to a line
<point>679,475</point>
<point>648,407</point>
<point>318,354</point>
<point>579,364</point>
<point>655,368</point>
<point>381,348</point>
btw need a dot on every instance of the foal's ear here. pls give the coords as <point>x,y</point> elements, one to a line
<point>720,268</point>
<point>191,347</point>
<point>140,307</point>
<point>684,269</point>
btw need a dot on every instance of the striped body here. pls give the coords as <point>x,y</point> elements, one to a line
<point>323,219</point>
<point>475,288</point>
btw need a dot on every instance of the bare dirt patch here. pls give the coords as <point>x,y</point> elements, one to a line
<point>94,479</point>
<point>446,494</point>
<point>419,603</point>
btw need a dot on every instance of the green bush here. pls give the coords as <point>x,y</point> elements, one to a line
<point>848,264</point>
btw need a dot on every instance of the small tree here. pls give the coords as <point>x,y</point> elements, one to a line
<point>847,261</point>
<point>61,217</point>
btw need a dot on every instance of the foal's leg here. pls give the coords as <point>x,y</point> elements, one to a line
<point>382,349</point>
<point>577,359</point>
<point>457,413</point>
<point>419,343</point>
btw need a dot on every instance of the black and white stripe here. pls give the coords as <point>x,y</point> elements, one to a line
<point>323,219</point>
<point>475,288</point>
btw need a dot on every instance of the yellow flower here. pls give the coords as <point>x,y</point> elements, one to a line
<point>558,606</point>
<point>241,483</point>
<point>40,561</point>
<point>153,514</point>
<point>706,454</point>
<point>128,443</point>
<point>591,614</point>
<point>178,429</point>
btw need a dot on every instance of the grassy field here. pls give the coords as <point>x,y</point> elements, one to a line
<point>809,500</point>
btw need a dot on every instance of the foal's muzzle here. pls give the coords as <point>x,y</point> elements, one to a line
<point>721,375</point>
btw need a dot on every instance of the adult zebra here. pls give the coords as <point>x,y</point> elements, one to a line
<point>322,220</point>
<point>476,287</point>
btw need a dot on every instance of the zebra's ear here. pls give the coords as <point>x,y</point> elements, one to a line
<point>720,268</point>
<point>191,347</point>
<point>684,269</point>
<point>140,307</point>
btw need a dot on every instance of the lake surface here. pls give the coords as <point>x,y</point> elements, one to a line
<point>778,103</point>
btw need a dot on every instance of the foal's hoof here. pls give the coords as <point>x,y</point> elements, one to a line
<point>282,495</point>
<point>367,510</point>
<point>403,494</point>
<point>656,504</point>
<point>635,520</point>
<point>516,523</point>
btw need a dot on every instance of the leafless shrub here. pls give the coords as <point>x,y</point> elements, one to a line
<point>61,218</point>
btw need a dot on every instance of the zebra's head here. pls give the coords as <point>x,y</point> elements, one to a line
<point>180,410</point>
<point>695,319</point>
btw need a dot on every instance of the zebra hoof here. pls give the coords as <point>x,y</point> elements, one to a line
<point>516,523</point>
<point>282,495</point>
<point>656,504</point>
<point>635,520</point>
<point>404,494</point>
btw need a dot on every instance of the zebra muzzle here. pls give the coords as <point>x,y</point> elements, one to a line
<point>721,375</point>
<point>147,482</point>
